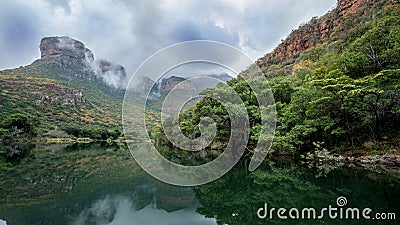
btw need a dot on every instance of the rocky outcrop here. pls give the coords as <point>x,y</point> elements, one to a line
<point>317,30</point>
<point>64,96</point>
<point>58,94</point>
<point>72,56</point>
<point>67,54</point>
<point>64,47</point>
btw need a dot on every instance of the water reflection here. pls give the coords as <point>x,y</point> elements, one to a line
<point>99,184</point>
<point>121,210</point>
<point>14,153</point>
<point>235,198</point>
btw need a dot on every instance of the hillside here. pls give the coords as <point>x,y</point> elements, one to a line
<point>335,82</point>
<point>66,90</point>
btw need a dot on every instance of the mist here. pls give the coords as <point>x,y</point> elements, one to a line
<point>112,74</point>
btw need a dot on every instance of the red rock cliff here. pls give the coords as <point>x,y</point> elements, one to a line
<point>318,29</point>
<point>57,47</point>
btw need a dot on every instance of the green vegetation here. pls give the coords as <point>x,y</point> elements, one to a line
<point>57,101</point>
<point>235,198</point>
<point>342,94</point>
<point>17,126</point>
<point>47,170</point>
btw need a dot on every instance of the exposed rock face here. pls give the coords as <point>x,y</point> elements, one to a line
<point>68,54</point>
<point>72,56</point>
<point>61,95</point>
<point>318,29</point>
<point>64,47</point>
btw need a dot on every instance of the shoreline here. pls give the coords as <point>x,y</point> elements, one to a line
<point>389,161</point>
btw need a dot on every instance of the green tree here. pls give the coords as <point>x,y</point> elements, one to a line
<point>18,125</point>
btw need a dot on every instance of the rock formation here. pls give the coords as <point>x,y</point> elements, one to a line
<point>59,47</point>
<point>72,56</point>
<point>319,29</point>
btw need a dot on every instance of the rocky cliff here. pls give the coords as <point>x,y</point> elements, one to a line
<point>72,56</point>
<point>335,22</point>
<point>59,47</point>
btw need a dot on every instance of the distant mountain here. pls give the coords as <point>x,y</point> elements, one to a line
<point>211,81</point>
<point>66,89</point>
<point>165,85</point>
<point>224,77</point>
<point>183,87</point>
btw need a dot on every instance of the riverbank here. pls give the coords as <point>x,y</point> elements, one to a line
<point>389,161</point>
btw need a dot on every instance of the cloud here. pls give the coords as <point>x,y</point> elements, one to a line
<point>121,210</point>
<point>19,34</point>
<point>188,31</point>
<point>127,32</point>
<point>64,4</point>
<point>112,74</point>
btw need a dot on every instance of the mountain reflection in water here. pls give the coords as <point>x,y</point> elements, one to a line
<point>121,210</point>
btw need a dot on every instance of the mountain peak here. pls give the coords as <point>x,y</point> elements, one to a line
<point>58,47</point>
<point>72,56</point>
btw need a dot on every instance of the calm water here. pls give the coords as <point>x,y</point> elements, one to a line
<point>101,184</point>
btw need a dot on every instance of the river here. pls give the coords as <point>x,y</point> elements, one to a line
<point>77,184</point>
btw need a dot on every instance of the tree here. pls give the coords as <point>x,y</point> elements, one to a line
<point>19,125</point>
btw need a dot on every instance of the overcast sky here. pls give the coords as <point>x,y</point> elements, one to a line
<point>129,31</point>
